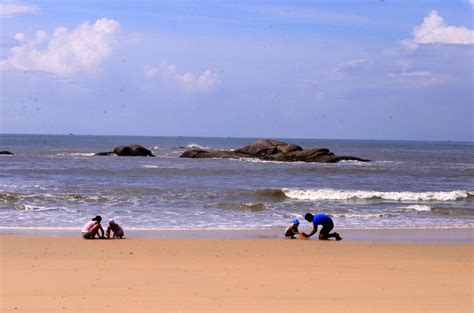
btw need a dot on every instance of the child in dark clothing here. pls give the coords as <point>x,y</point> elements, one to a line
<point>293,230</point>
<point>117,231</point>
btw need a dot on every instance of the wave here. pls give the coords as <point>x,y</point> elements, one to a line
<point>6,196</point>
<point>453,211</point>
<point>277,194</point>
<point>253,206</point>
<point>83,154</point>
<point>196,146</point>
<point>245,206</point>
<point>150,166</point>
<point>80,154</point>
<point>363,216</point>
<point>333,194</point>
<point>417,208</point>
<point>37,208</point>
<point>345,164</point>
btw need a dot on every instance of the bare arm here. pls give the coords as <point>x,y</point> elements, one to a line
<point>102,230</point>
<point>315,229</point>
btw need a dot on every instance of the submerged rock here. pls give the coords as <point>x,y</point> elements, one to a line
<point>131,150</point>
<point>273,150</point>
<point>104,153</point>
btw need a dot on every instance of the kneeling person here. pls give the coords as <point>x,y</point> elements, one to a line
<point>326,223</point>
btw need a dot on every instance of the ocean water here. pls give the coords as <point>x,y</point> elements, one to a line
<point>55,182</point>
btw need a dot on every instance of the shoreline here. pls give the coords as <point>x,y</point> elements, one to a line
<point>428,235</point>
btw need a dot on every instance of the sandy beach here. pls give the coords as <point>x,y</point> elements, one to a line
<point>45,274</point>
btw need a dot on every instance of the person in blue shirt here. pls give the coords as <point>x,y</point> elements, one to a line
<point>326,223</point>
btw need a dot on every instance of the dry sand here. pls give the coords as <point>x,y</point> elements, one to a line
<point>41,274</point>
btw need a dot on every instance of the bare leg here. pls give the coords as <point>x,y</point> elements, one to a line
<point>107,232</point>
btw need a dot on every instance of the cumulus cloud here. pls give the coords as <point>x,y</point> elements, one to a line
<point>190,82</point>
<point>434,30</point>
<point>10,10</point>
<point>65,52</point>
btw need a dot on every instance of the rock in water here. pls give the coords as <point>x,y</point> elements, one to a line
<point>104,153</point>
<point>273,150</point>
<point>131,150</point>
<point>6,153</point>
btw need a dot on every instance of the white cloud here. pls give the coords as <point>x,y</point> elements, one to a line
<point>415,79</point>
<point>65,52</point>
<point>150,70</point>
<point>412,74</point>
<point>343,70</point>
<point>190,82</point>
<point>352,65</point>
<point>472,3</point>
<point>434,30</point>
<point>10,10</point>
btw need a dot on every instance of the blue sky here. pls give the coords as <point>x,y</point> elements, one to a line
<point>306,69</point>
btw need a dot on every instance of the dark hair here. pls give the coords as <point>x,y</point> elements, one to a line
<point>308,217</point>
<point>98,218</point>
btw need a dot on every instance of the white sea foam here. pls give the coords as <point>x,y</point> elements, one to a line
<point>418,208</point>
<point>363,216</point>
<point>332,194</point>
<point>76,154</point>
<point>343,163</point>
<point>83,154</point>
<point>150,166</point>
<point>256,160</point>
<point>37,208</point>
<point>196,146</point>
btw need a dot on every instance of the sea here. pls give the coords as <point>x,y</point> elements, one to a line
<point>56,182</point>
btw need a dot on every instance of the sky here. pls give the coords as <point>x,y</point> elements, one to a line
<point>368,69</point>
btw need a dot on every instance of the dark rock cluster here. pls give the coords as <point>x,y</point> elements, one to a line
<point>273,150</point>
<point>131,150</point>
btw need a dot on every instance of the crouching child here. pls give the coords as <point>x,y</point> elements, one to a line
<point>292,231</point>
<point>115,229</point>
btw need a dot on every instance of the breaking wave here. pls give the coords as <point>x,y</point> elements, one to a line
<point>278,194</point>
<point>196,146</point>
<point>417,208</point>
<point>332,194</point>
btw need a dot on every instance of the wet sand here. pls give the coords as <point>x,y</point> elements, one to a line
<point>424,235</point>
<point>47,274</point>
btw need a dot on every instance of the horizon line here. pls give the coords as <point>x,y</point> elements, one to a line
<point>235,137</point>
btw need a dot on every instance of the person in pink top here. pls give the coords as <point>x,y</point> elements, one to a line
<point>116,230</point>
<point>92,228</point>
